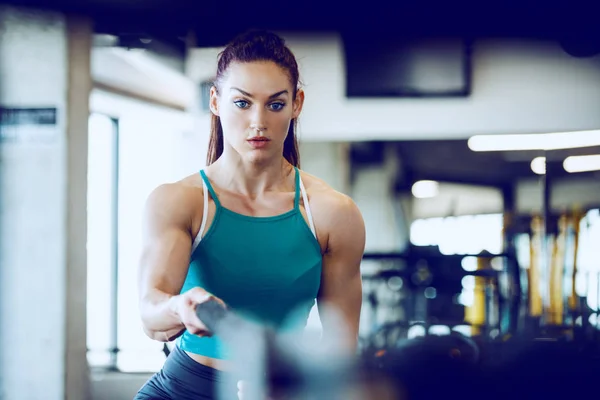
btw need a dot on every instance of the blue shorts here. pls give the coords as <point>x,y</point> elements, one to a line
<point>182,378</point>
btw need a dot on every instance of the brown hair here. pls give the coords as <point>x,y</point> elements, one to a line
<point>256,45</point>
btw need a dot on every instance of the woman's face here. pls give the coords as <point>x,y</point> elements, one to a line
<point>256,105</point>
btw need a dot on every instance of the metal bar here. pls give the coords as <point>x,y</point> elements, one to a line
<point>512,305</point>
<point>597,306</point>
<point>114,298</point>
<point>546,249</point>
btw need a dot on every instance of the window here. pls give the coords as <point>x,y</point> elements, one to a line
<point>148,151</point>
<point>149,146</point>
<point>468,234</point>
<point>101,241</point>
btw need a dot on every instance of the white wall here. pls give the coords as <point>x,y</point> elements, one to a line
<point>139,73</point>
<point>372,190</point>
<point>29,267</point>
<point>43,63</point>
<point>328,161</point>
<point>518,87</point>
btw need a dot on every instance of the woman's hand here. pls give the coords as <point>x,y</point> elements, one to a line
<point>186,310</point>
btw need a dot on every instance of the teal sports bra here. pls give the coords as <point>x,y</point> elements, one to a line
<point>267,269</point>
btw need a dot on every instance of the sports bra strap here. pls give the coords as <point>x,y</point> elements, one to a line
<point>307,208</point>
<point>210,188</point>
<point>297,186</point>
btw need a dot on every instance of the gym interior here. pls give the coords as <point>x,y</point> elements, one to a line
<point>474,159</point>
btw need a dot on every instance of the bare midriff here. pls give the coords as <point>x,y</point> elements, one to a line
<point>220,365</point>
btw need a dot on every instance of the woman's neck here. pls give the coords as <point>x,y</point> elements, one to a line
<point>250,179</point>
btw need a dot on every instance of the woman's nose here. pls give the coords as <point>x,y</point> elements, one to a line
<point>258,121</point>
<point>257,127</point>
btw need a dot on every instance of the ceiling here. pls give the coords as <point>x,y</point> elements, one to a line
<point>453,161</point>
<point>213,23</point>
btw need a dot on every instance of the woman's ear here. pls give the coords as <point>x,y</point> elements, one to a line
<point>298,103</point>
<point>214,101</point>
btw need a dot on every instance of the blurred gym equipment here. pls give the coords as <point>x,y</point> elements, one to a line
<point>277,363</point>
<point>281,366</point>
<point>420,368</point>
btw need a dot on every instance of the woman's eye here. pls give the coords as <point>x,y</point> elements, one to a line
<point>277,106</point>
<point>241,103</point>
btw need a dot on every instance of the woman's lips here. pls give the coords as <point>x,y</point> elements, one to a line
<point>258,142</point>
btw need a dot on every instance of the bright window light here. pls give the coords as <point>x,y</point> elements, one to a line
<point>425,189</point>
<point>538,141</point>
<point>582,163</point>
<point>465,234</point>
<point>538,165</point>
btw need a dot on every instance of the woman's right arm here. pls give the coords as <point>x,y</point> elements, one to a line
<point>166,248</point>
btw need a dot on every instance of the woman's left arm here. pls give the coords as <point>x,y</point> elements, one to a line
<point>341,284</point>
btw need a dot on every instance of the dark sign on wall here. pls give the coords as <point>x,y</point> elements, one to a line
<point>26,125</point>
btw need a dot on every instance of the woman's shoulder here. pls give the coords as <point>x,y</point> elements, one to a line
<point>335,213</point>
<point>180,196</point>
<point>323,196</point>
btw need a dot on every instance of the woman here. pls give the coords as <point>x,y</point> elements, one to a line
<point>251,229</point>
